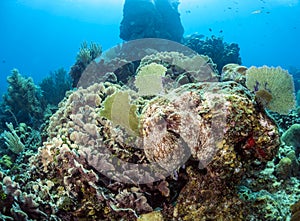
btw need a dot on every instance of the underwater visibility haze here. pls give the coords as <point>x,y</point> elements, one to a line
<point>150,110</point>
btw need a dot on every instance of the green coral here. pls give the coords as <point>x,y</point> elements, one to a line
<point>283,168</point>
<point>88,52</point>
<point>120,111</point>
<point>149,79</point>
<point>12,140</point>
<point>65,203</point>
<point>3,196</point>
<point>291,136</point>
<point>23,100</point>
<point>6,161</point>
<point>276,81</point>
<point>55,86</point>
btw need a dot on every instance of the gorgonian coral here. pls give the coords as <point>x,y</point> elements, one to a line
<point>276,82</point>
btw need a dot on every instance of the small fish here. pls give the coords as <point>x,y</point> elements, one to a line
<point>210,29</point>
<point>221,31</point>
<point>229,8</point>
<point>3,61</point>
<point>268,12</point>
<point>256,12</point>
<point>188,11</point>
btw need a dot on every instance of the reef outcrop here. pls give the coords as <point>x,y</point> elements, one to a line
<point>112,152</point>
<point>151,19</point>
<point>77,167</point>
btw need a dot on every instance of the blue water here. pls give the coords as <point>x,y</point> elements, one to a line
<point>39,36</point>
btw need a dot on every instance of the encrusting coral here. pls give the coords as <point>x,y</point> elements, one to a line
<point>234,72</point>
<point>225,156</point>
<point>291,136</point>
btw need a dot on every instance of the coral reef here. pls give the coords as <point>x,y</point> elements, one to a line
<point>274,82</point>
<point>199,150</point>
<point>151,19</point>
<point>152,74</point>
<point>212,95</point>
<point>295,72</point>
<point>87,53</point>
<point>234,72</point>
<point>220,52</point>
<point>12,140</point>
<point>295,211</point>
<point>55,86</point>
<point>274,189</point>
<point>182,69</point>
<point>71,164</point>
<point>291,136</point>
<point>22,102</point>
<point>16,146</point>
<point>224,158</point>
<point>286,121</point>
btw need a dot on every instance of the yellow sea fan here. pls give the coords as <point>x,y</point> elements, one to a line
<point>278,82</point>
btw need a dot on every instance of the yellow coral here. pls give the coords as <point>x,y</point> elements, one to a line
<point>149,79</point>
<point>278,82</point>
<point>120,111</point>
